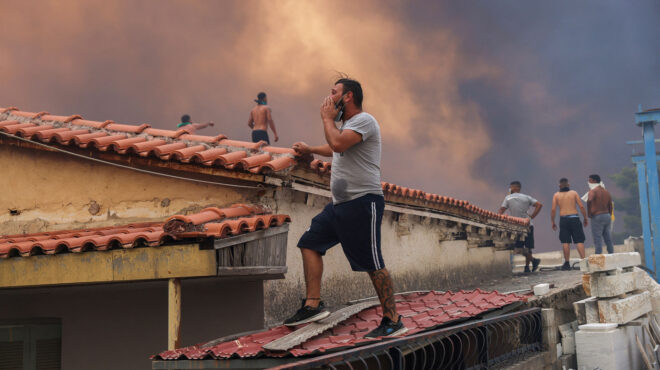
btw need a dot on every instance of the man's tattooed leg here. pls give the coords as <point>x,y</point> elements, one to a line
<point>385,290</point>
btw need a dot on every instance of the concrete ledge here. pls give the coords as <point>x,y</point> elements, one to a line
<point>613,283</point>
<point>623,310</point>
<point>607,262</point>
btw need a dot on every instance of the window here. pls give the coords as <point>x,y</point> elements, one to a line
<point>30,344</point>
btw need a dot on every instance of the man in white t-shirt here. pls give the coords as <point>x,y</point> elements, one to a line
<point>518,205</point>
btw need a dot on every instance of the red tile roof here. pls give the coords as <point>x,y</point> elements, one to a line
<point>210,222</point>
<point>181,146</point>
<point>429,199</point>
<point>145,141</point>
<point>420,312</point>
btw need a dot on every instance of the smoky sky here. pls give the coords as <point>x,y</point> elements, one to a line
<point>469,94</point>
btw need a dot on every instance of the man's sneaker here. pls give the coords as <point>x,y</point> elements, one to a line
<point>526,269</point>
<point>307,314</point>
<point>566,266</point>
<point>387,328</point>
<point>535,263</point>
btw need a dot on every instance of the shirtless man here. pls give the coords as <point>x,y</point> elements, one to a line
<point>260,119</point>
<point>570,228</point>
<point>191,127</point>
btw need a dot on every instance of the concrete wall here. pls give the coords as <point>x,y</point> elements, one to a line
<point>118,326</point>
<point>52,191</point>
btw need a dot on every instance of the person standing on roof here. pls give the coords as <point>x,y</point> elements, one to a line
<point>260,119</point>
<point>518,205</point>
<point>599,207</point>
<point>354,216</point>
<point>570,228</point>
<point>190,127</point>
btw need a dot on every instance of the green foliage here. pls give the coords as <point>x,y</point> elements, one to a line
<point>626,209</point>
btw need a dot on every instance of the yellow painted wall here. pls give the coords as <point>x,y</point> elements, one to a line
<point>173,261</point>
<point>53,191</point>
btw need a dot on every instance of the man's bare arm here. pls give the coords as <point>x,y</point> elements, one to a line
<point>553,212</point>
<point>584,211</point>
<point>302,148</point>
<point>250,121</point>
<point>271,123</point>
<point>502,210</point>
<point>339,141</point>
<point>199,126</point>
<point>537,209</point>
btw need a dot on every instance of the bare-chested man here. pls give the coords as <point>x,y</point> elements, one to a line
<point>570,228</point>
<point>260,119</point>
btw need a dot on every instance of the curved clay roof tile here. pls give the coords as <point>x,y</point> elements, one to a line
<point>168,148</point>
<point>85,139</point>
<point>279,164</point>
<point>64,137</point>
<point>202,138</point>
<point>104,141</point>
<point>255,160</point>
<point>242,144</point>
<point>230,158</point>
<point>28,132</point>
<point>146,146</point>
<point>208,155</point>
<point>13,129</point>
<point>187,153</point>
<point>65,119</point>
<point>46,135</point>
<point>121,146</point>
<point>134,129</point>
<point>94,124</point>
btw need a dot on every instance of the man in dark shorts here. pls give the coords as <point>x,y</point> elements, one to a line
<point>260,119</point>
<point>570,227</point>
<point>355,214</point>
<point>518,205</point>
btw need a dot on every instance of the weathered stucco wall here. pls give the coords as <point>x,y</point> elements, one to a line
<point>50,191</point>
<point>118,326</point>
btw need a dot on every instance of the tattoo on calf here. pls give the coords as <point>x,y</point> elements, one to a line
<point>385,290</point>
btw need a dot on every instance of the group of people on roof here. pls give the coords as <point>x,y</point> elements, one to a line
<point>600,211</point>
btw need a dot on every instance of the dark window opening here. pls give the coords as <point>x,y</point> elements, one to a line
<point>31,344</point>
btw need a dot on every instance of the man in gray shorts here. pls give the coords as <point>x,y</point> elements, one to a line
<point>518,205</point>
<point>354,216</point>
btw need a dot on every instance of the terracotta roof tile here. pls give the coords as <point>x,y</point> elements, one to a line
<point>216,151</point>
<point>434,309</point>
<point>92,124</point>
<point>237,219</point>
<point>394,192</point>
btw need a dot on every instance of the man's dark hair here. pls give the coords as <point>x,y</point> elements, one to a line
<point>516,183</point>
<point>563,180</point>
<point>185,118</point>
<point>595,177</point>
<point>354,87</point>
<point>261,96</point>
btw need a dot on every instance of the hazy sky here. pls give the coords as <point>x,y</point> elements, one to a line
<point>469,94</point>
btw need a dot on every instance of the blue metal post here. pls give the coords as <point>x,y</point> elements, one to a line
<point>647,120</point>
<point>644,206</point>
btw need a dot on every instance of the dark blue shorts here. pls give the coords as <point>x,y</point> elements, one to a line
<point>258,135</point>
<point>356,225</point>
